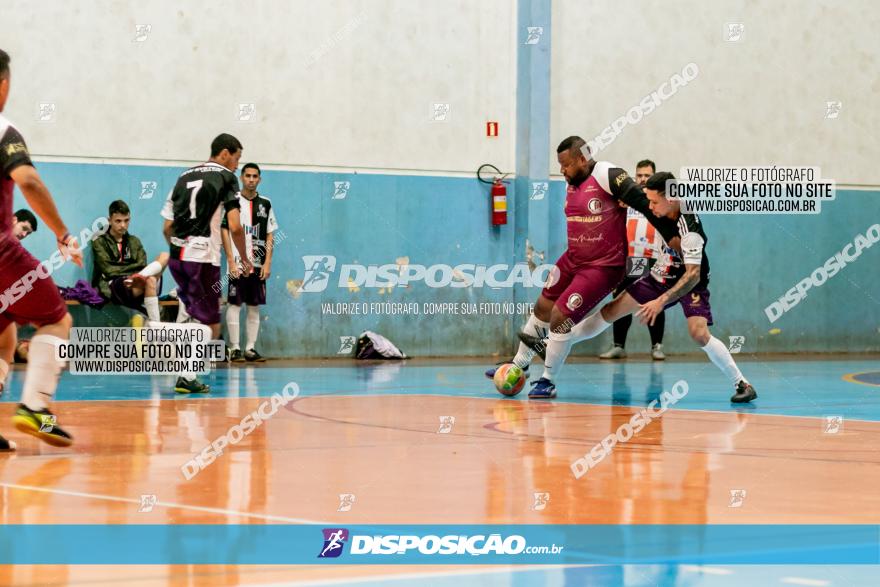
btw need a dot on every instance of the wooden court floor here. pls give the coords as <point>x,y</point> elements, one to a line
<point>390,443</point>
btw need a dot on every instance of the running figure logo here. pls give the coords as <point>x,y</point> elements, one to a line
<point>832,109</point>
<point>340,189</point>
<point>346,501</point>
<point>148,189</point>
<point>446,424</point>
<point>148,502</point>
<point>637,266</point>
<point>47,424</point>
<point>318,270</point>
<point>539,190</point>
<point>534,35</point>
<point>737,497</point>
<point>833,424</point>
<point>46,112</point>
<point>541,500</point>
<point>334,540</point>
<point>736,344</point>
<point>346,345</point>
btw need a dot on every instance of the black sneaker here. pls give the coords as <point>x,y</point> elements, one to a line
<point>191,386</point>
<point>41,424</point>
<point>6,445</point>
<point>744,393</point>
<point>253,356</point>
<point>235,356</point>
<point>538,345</point>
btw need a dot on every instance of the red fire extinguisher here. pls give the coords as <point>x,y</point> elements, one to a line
<point>498,195</point>
<point>499,203</point>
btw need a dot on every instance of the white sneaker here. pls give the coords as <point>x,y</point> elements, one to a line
<point>615,352</point>
<point>657,352</point>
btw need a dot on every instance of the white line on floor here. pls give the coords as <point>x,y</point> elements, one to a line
<point>165,504</point>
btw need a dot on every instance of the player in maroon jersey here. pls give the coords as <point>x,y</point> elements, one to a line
<point>27,293</point>
<point>594,262</point>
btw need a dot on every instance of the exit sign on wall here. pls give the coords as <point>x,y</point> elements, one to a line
<point>491,129</point>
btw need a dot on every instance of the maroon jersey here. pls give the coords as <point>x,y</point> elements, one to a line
<point>13,153</point>
<point>597,225</point>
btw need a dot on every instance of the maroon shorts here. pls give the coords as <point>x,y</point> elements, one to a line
<point>27,294</point>
<point>198,288</point>
<point>694,303</point>
<point>579,289</point>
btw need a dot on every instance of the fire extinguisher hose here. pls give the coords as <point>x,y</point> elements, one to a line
<point>490,166</point>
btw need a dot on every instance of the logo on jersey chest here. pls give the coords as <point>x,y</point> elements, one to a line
<point>595,205</point>
<point>261,212</point>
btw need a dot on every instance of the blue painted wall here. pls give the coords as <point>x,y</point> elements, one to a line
<point>755,259</point>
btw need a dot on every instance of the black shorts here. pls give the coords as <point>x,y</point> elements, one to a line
<point>249,290</point>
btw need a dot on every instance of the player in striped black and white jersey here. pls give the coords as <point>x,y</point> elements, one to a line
<point>676,278</point>
<point>645,245</point>
<point>258,219</point>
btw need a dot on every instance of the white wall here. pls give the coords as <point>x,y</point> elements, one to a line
<point>758,101</point>
<point>335,82</point>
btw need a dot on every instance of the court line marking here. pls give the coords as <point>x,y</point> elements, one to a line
<point>408,576</point>
<point>802,581</point>
<point>165,504</point>
<point>851,378</point>
<point>732,411</point>
<point>706,570</point>
<point>347,393</point>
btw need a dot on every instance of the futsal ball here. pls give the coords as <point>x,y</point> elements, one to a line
<point>509,379</point>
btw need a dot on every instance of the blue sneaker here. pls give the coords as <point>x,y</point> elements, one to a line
<point>490,373</point>
<point>543,388</point>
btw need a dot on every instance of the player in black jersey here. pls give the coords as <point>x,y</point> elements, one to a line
<point>192,228</point>
<point>258,219</point>
<point>677,278</point>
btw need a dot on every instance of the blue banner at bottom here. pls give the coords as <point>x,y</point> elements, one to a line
<point>439,544</point>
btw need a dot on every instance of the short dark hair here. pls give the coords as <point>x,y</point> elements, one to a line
<point>4,64</point>
<point>25,215</point>
<point>657,182</point>
<point>647,163</point>
<point>119,207</point>
<point>224,141</point>
<point>251,166</point>
<point>570,144</point>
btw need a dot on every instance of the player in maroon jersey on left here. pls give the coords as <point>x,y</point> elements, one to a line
<point>27,293</point>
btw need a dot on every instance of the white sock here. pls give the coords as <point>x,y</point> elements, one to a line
<point>154,268</point>
<point>206,336</point>
<point>558,347</point>
<point>252,328</point>
<point>151,303</point>
<point>182,315</point>
<point>4,372</point>
<point>43,370</point>
<point>591,326</point>
<point>722,358</point>
<point>533,327</point>
<point>233,326</point>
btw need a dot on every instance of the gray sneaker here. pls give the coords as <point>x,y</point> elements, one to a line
<point>615,352</point>
<point>657,352</point>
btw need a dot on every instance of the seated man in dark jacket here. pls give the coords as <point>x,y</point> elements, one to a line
<point>121,272</point>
